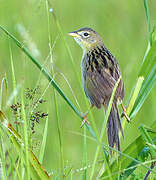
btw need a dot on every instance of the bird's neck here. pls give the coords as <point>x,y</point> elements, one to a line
<point>98,48</point>
<point>90,47</point>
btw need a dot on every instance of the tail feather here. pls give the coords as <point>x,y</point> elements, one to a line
<point>113,128</point>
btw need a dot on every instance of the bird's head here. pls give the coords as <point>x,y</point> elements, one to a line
<point>87,38</point>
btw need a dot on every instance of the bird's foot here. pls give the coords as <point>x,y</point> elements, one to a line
<point>124,113</point>
<point>84,119</point>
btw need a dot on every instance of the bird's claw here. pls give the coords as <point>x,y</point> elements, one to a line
<point>126,116</point>
<point>124,113</point>
<point>84,119</point>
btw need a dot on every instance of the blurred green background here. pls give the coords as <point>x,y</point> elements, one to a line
<point>121,24</point>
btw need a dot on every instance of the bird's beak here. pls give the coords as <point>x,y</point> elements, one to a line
<point>73,34</point>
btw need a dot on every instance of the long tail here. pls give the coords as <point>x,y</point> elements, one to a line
<point>113,128</point>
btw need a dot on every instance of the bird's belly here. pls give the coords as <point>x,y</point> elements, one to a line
<point>83,79</point>
<point>94,98</point>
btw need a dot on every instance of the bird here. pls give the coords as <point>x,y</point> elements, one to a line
<point>100,72</point>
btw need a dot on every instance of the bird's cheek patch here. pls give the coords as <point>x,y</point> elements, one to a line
<point>79,42</point>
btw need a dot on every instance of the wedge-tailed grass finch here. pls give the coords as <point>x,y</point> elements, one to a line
<point>100,72</point>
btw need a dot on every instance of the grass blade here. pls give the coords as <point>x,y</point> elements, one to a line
<point>135,94</point>
<point>13,73</point>
<point>84,154</point>
<point>43,145</point>
<point>149,62</point>
<point>25,141</point>
<point>148,19</point>
<point>3,174</point>
<point>36,169</point>
<point>1,93</point>
<point>146,88</point>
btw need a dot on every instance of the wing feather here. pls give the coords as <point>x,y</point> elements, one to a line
<point>99,83</point>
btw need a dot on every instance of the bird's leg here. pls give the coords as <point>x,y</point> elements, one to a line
<point>85,116</point>
<point>124,113</point>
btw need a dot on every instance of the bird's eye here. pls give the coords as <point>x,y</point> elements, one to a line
<point>86,34</point>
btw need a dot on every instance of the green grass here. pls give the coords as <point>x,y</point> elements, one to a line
<point>56,146</point>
